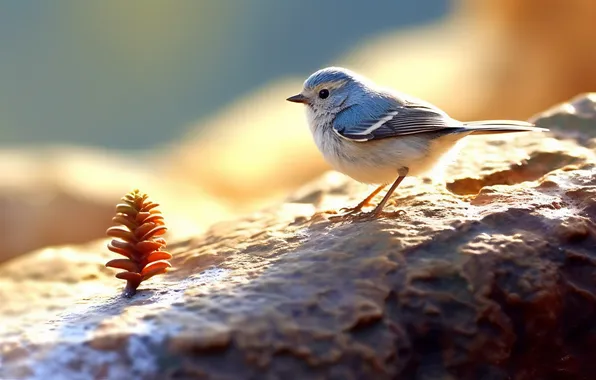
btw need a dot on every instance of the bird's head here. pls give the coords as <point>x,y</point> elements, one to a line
<point>330,90</point>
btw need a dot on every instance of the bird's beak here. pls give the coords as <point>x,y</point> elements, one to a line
<point>298,99</point>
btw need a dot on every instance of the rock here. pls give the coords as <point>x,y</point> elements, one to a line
<point>574,119</point>
<point>489,277</point>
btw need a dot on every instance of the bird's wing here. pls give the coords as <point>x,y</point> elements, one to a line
<point>396,120</point>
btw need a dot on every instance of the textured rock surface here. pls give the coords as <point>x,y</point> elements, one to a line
<point>489,277</point>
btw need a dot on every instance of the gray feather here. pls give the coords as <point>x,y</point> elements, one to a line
<point>401,121</point>
<point>392,115</point>
<point>486,127</point>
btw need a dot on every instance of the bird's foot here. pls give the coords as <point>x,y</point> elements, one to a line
<point>346,212</point>
<point>361,216</point>
<point>351,210</point>
<point>356,209</point>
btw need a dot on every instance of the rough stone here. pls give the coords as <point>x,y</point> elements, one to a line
<point>489,277</point>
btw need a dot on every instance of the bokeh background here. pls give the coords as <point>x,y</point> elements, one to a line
<point>133,74</point>
<point>185,99</point>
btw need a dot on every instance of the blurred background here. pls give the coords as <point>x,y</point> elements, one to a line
<point>185,99</point>
<point>131,75</point>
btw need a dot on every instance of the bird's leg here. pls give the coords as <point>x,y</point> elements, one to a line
<point>403,172</point>
<point>364,203</point>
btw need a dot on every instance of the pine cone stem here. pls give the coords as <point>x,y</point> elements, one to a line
<point>130,289</point>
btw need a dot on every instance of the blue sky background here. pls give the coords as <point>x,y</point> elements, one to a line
<point>133,74</point>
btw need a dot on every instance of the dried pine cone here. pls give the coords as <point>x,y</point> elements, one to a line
<point>136,239</point>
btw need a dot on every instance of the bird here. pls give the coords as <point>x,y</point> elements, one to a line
<point>377,135</point>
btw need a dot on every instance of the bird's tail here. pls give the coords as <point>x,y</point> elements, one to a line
<point>486,127</point>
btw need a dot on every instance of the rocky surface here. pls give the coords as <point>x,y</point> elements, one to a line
<point>489,277</point>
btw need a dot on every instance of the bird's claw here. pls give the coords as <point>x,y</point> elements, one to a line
<point>350,210</point>
<point>356,209</point>
<point>366,215</point>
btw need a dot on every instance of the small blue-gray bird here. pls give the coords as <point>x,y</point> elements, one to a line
<point>379,136</point>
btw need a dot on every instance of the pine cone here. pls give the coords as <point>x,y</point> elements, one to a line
<point>136,238</point>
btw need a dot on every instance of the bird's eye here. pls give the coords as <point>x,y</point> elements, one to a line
<point>324,93</point>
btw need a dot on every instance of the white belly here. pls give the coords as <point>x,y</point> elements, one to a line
<point>378,161</point>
